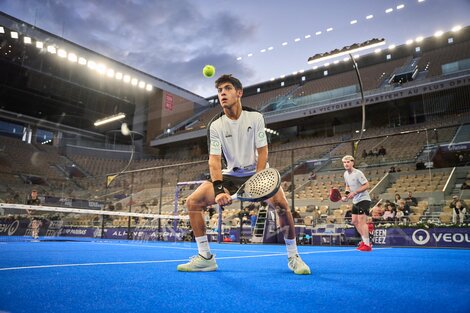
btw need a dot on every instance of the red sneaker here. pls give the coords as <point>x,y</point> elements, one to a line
<point>361,244</point>
<point>365,248</point>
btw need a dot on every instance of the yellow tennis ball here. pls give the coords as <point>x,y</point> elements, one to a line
<point>208,71</point>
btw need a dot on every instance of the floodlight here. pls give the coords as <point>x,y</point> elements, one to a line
<point>118,75</point>
<point>409,41</point>
<point>250,54</point>
<point>39,44</point>
<point>62,53</point>
<point>142,84</point>
<point>401,6</point>
<point>419,39</point>
<point>134,81</point>
<point>456,28</point>
<point>149,87</point>
<point>270,48</point>
<point>262,50</point>
<point>369,44</point>
<point>51,49</point>
<point>389,10</point>
<point>368,17</point>
<point>101,68</point>
<point>284,43</point>
<point>27,40</point>
<point>91,65</point>
<point>126,78</point>
<point>239,58</point>
<point>329,29</point>
<point>110,73</point>
<point>439,33</point>
<point>318,33</point>
<point>14,35</point>
<point>81,61</point>
<point>110,119</point>
<point>2,30</point>
<point>72,57</point>
<point>296,39</point>
<point>353,22</point>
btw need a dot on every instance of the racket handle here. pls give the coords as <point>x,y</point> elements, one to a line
<point>234,197</point>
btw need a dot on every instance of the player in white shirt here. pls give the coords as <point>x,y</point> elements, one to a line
<point>237,135</point>
<point>356,189</point>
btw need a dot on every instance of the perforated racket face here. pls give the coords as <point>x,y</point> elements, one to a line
<point>261,186</point>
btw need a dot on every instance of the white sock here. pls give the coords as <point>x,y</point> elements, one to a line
<point>291,247</point>
<point>203,246</point>
<point>366,240</point>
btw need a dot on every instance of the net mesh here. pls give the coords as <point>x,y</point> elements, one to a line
<point>23,222</point>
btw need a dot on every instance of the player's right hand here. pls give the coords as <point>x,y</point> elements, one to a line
<point>223,199</point>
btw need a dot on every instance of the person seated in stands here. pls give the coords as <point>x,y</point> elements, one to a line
<point>410,200</point>
<point>312,176</point>
<point>455,199</point>
<point>399,215</point>
<point>389,213</point>
<point>296,215</point>
<point>377,212</point>
<point>465,185</point>
<point>364,154</point>
<point>397,198</point>
<point>382,151</point>
<point>458,216</point>
<point>403,206</point>
<point>370,153</point>
<point>388,202</point>
<point>375,152</point>
<point>392,169</point>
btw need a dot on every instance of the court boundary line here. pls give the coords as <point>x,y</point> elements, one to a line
<point>168,261</point>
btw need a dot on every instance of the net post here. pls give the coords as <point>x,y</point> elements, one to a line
<point>219,224</point>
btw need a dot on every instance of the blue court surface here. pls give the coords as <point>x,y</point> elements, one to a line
<point>121,276</point>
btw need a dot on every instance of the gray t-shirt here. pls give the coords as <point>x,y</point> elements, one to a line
<point>354,181</point>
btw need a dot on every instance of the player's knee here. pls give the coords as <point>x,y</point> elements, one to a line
<point>193,204</point>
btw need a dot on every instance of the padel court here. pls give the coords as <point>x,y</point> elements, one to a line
<point>130,276</point>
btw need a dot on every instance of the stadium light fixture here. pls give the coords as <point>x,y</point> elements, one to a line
<point>14,35</point>
<point>118,76</point>
<point>318,33</point>
<point>353,22</point>
<point>149,87</point>
<point>270,48</point>
<point>142,84</point>
<point>262,50</point>
<point>409,42</point>
<point>109,119</point>
<point>307,36</point>
<point>2,30</point>
<point>369,44</point>
<point>400,6</point>
<point>72,57</point>
<point>39,44</point>
<point>391,47</point>
<point>126,79</point>
<point>329,29</point>
<point>82,61</point>
<point>134,81</point>
<point>456,28</point>
<point>101,68</point>
<point>389,10</point>
<point>27,40</point>
<point>419,39</point>
<point>110,73</point>
<point>51,49</point>
<point>62,53</point>
<point>370,16</point>
<point>439,33</point>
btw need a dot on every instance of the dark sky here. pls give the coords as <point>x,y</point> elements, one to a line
<point>174,39</point>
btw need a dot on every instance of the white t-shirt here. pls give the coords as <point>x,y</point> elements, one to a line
<point>238,141</point>
<point>354,181</point>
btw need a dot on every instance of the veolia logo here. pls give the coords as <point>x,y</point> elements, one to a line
<point>13,227</point>
<point>420,237</point>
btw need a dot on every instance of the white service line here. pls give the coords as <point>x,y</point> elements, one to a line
<point>168,261</point>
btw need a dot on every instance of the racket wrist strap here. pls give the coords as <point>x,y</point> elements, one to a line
<point>218,187</point>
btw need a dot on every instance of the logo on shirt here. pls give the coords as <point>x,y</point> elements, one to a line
<point>261,134</point>
<point>249,128</point>
<point>228,135</point>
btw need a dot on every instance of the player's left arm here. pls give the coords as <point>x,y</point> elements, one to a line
<point>261,143</point>
<point>262,158</point>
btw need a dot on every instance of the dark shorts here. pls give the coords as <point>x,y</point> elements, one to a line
<point>361,207</point>
<point>232,183</point>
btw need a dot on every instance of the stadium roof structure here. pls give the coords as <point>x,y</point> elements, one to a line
<point>54,83</point>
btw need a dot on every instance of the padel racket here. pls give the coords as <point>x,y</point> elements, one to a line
<point>335,195</point>
<point>261,186</point>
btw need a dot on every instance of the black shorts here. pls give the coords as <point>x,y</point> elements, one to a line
<point>232,183</point>
<point>361,207</point>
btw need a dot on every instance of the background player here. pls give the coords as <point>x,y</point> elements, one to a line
<point>356,189</point>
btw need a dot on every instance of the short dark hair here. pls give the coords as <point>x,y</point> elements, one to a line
<point>228,78</point>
